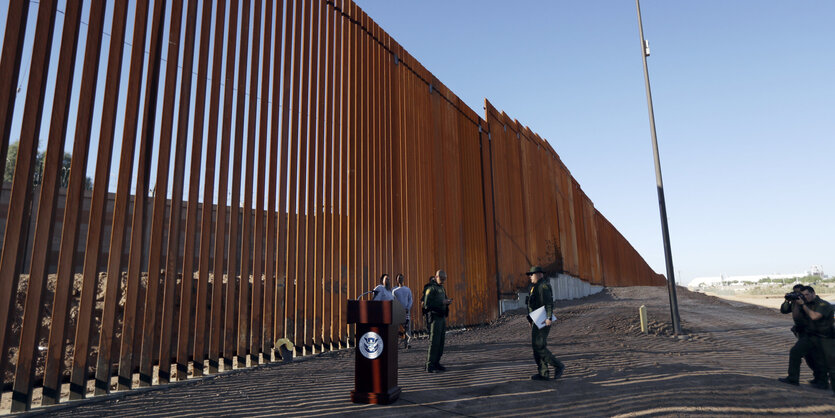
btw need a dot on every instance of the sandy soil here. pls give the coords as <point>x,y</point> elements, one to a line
<point>727,365</point>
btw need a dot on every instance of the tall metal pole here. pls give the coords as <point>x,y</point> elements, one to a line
<point>662,207</point>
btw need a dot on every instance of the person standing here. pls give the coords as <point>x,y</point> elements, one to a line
<point>383,290</point>
<point>822,328</point>
<point>437,305</point>
<point>423,309</point>
<point>404,295</point>
<point>540,296</point>
<point>803,346</point>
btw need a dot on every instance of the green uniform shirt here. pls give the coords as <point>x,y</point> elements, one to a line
<point>800,323</point>
<point>541,296</point>
<point>433,299</point>
<point>823,326</point>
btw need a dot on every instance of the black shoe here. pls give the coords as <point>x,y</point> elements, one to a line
<point>440,367</point>
<point>558,371</point>
<point>432,370</point>
<point>819,384</point>
<point>539,377</point>
<point>787,380</point>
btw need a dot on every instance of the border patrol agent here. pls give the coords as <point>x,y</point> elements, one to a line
<point>541,295</point>
<point>437,306</point>
<point>822,318</point>
<point>803,348</point>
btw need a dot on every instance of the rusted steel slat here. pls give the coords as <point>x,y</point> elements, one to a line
<point>309,275</point>
<point>431,221</point>
<point>372,156</point>
<point>12,50</point>
<point>454,229</point>
<point>527,168</point>
<point>282,285</point>
<point>569,181</point>
<point>428,200</point>
<point>398,205</point>
<point>388,177</point>
<point>96,219</point>
<point>410,197</point>
<point>362,158</point>
<point>341,133</point>
<point>152,330</point>
<point>17,218</point>
<point>32,312</point>
<point>193,205</point>
<point>376,186</point>
<point>492,276</point>
<point>410,179</point>
<point>416,271</point>
<point>307,204</point>
<point>424,225</point>
<point>129,350</point>
<point>244,299</point>
<point>438,172</point>
<point>221,323</point>
<point>443,247</point>
<point>320,206</point>
<point>206,220</point>
<point>329,207</point>
<point>464,197</point>
<point>379,116</point>
<point>270,300</point>
<point>366,230</point>
<point>231,336</point>
<point>173,249</point>
<point>524,219</point>
<point>291,315</point>
<point>258,269</point>
<point>506,197</point>
<point>425,258</point>
<point>53,367</point>
<point>305,151</point>
<point>354,265</point>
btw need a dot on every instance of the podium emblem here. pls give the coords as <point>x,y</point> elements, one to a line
<point>371,345</point>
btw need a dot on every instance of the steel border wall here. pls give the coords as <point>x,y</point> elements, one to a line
<point>366,163</point>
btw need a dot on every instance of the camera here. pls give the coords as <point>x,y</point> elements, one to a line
<point>793,296</point>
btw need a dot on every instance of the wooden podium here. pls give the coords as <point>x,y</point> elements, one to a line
<point>375,370</point>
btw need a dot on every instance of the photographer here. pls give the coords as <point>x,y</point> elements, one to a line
<point>803,348</point>
<point>821,330</point>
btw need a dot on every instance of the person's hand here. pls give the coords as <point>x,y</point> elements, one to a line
<point>447,301</point>
<point>801,301</point>
<point>547,322</point>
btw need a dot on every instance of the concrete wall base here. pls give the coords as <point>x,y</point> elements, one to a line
<point>563,286</point>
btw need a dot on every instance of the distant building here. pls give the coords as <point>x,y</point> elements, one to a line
<point>728,280</point>
<point>723,280</point>
<point>816,270</point>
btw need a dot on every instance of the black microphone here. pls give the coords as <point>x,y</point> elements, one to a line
<point>360,296</point>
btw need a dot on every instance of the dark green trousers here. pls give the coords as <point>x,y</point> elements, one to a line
<point>437,332</point>
<point>826,346</point>
<point>543,357</point>
<point>804,348</point>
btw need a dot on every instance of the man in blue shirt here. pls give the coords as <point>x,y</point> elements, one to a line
<point>404,296</point>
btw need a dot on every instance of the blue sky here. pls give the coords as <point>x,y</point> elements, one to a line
<point>744,96</point>
<point>744,102</point>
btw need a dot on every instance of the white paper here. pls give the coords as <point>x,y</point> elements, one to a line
<point>538,317</point>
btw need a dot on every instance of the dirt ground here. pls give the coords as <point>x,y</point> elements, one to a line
<point>727,364</point>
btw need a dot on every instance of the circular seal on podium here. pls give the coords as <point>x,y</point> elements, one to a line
<point>371,345</point>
